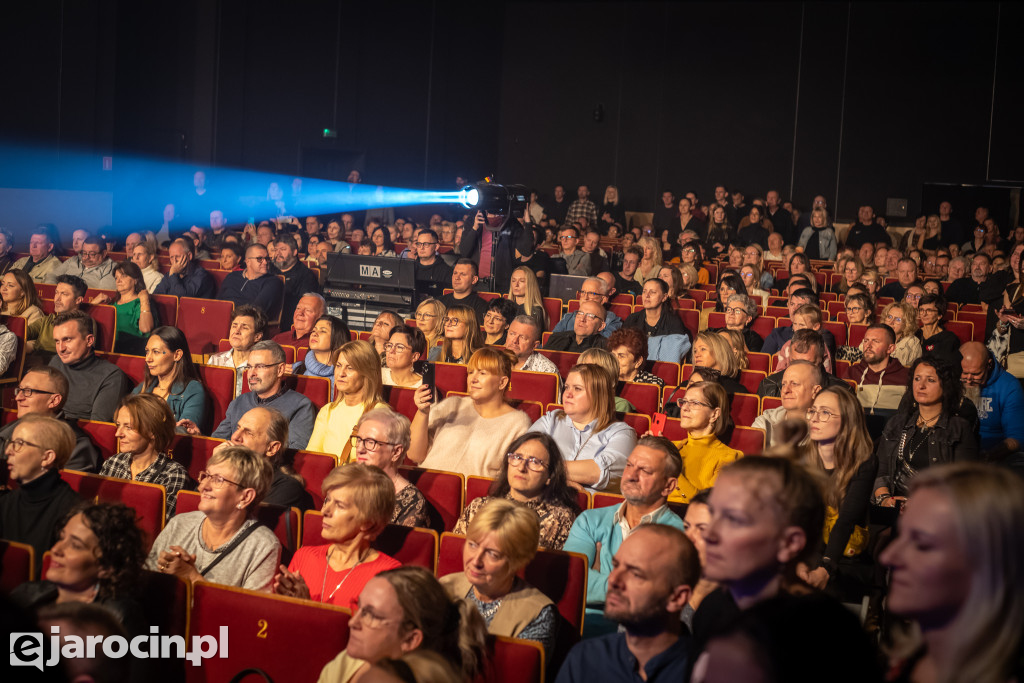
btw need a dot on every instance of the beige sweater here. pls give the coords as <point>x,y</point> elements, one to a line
<point>462,441</point>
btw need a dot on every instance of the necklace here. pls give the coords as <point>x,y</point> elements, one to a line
<point>323,584</point>
<point>922,422</point>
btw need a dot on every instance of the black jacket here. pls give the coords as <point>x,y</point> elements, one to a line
<point>513,236</point>
<point>952,439</point>
<point>31,513</point>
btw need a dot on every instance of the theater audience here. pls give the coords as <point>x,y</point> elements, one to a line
<point>358,388</point>
<point>97,558</point>
<point>19,296</point>
<point>222,542</point>
<point>382,439</point>
<point>902,318</point>
<point>329,334</point>
<point>247,327</point>
<point>524,292</point>
<point>358,502</point>
<point>933,426</point>
<point>95,385</point>
<point>740,312</point>
<point>523,338</point>
<point>92,265</point>
<point>266,371</point>
<point>469,434</point>
<point>465,276</point>
<point>172,376</point>
<point>430,316</point>
<point>404,611</point>
<point>535,475</point>
<point>500,313</point>
<point>36,452</point>
<point>264,431</point>
<point>801,382</point>
<point>462,336</point>
<point>298,278</point>
<point>704,414</point>
<point>650,475</point>
<point>959,586</point>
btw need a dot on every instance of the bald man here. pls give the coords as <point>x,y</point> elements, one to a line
<point>996,394</point>
<point>585,333</point>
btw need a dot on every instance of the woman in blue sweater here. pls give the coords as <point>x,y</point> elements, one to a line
<point>172,376</point>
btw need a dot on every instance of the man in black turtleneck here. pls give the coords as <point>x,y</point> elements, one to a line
<point>31,513</point>
<point>96,386</point>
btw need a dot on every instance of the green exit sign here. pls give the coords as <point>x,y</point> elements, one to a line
<point>330,133</point>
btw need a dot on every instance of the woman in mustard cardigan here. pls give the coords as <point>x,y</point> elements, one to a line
<point>704,414</point>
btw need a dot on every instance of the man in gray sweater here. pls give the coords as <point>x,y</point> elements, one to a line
<point>96,386</point>
<point>266,370</point>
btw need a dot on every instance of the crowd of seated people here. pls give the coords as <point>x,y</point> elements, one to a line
<point>743,399</point>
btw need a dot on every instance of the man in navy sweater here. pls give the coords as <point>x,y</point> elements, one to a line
<point>254,285</point>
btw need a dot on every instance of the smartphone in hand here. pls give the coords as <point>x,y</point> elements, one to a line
<point>658,421</point>
<point>425,369</point>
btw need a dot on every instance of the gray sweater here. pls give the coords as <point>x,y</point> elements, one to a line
<point>299,410</point>
<point>251,565</point>
<point>96,388</point>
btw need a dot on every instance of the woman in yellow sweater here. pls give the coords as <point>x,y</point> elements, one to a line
<point>704,414</point>
<point>358,388</point>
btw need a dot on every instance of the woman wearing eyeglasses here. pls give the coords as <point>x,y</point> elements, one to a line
<point>381,439</point>
<point>740,312</point>
<point>407,610</point>
<point>500,314</point>
<point>469,434</point>
<point>381,330</point>
<point>751,275</point>
<point>462,336</point>
<point>222,542</point>
<point>535,475</point>
<point>704,414</point>
<point>405,346</point>
<point>430,316</point>
<point>524,292</point>
<point>841,448</point>
<point>144,430</point>
<point>500,541</point>
<point>328,335</point>
<point>358,387</point>
<point>934,425</point>
<point>935,340</point>
<point>902,318</point>
<point>358,502</point>
<point>859,311</point>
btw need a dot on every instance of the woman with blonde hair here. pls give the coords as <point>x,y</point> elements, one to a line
<point>19,296</point>
<point>711,350</point>
<point>841,449</point>
<point>704,414</point>
<point>738,344</point>
<point>961,587</point>
<point>650,264</point>
<point>850,271</point>
<point>358,502</point>
<point>462,337</point>
<point>688,275</point>
<point>501,540</point>
<point>469,434</point>
<point>750,275</point>
<point>872,281</point>
<point>902,318</point>
<point>430,316</point>
<point>358,388</point>
<point>611,211</point>
<point>594,443</point>
<point>524,292</point>
<point>606,360</point>
<point>404,611</point>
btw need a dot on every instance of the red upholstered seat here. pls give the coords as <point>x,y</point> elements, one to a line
<point>646,398</point>
<point>563,360</point>
<point>17,565</point>
<point>148,500</point>
<point>534,386</point>
<point>443,490</point>
<point>102,436</point>
<point>204,322</point>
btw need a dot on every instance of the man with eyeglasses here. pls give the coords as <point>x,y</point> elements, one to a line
<point>43,391</point>
<point>186,277</point>
<point>801,382</point>
<point>465,275</point>
<point>298,279</point>
<point>586,332</point>
<point>577,262</point>
<point>997,395</point>
<point>266,371</point>
<point>96,386</point>
<point>432,273</point>
<point>595,290</point>
<point>41,260</point>
<point>92,265</point>
<point>254,285</point>
<point>32,513</point>
<point>264,431</point>
<point>650,476</point>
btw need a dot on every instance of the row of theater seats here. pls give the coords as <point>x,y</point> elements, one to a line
<point>290,639</point>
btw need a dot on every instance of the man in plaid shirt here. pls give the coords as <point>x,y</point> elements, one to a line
<point>582,208</point>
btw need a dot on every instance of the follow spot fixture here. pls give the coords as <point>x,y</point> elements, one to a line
<point>494,198</point>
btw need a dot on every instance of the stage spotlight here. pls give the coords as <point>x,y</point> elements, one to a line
<point>494,198</point>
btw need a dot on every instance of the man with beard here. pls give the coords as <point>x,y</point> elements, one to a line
<point>650,476</point>
<point>651,580</point>
<point>996,394</point>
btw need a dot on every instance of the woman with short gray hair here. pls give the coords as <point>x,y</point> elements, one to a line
<point>740,312</point>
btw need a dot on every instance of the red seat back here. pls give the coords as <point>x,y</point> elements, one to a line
<point>105,318</point>
<point>204,322</point>
<point>962,329</point>
<point>450,377</point>
<point>758,361</point>
<point>102,435</point>
<point>17,565</point>
<point>748,440</point>
<point>534,386</point>
<point>563,360</point>
<point>745,409</point>
<point>193,452</point>
<point>553,307</point>
<point>763,326</point>
<point>646,398</point>
<point>751,379</point>
<point>266,631</point>
<point>769,402</point>
<point>401,400</point>
<point>167,308</point>
<point>855,334</point>
<point>443,490</point>
<point>838,331</point>
<point>666,371</point>
<point>148,500</point>
<point>314,468</point>
<point>220,388</point>
<point>133,366</point>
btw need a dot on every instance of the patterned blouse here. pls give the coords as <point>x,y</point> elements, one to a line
<point>164,471</point>
<point>648,378</point>
<point>555,520</point>
<point>542,628</point>
<point>410,508</point>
